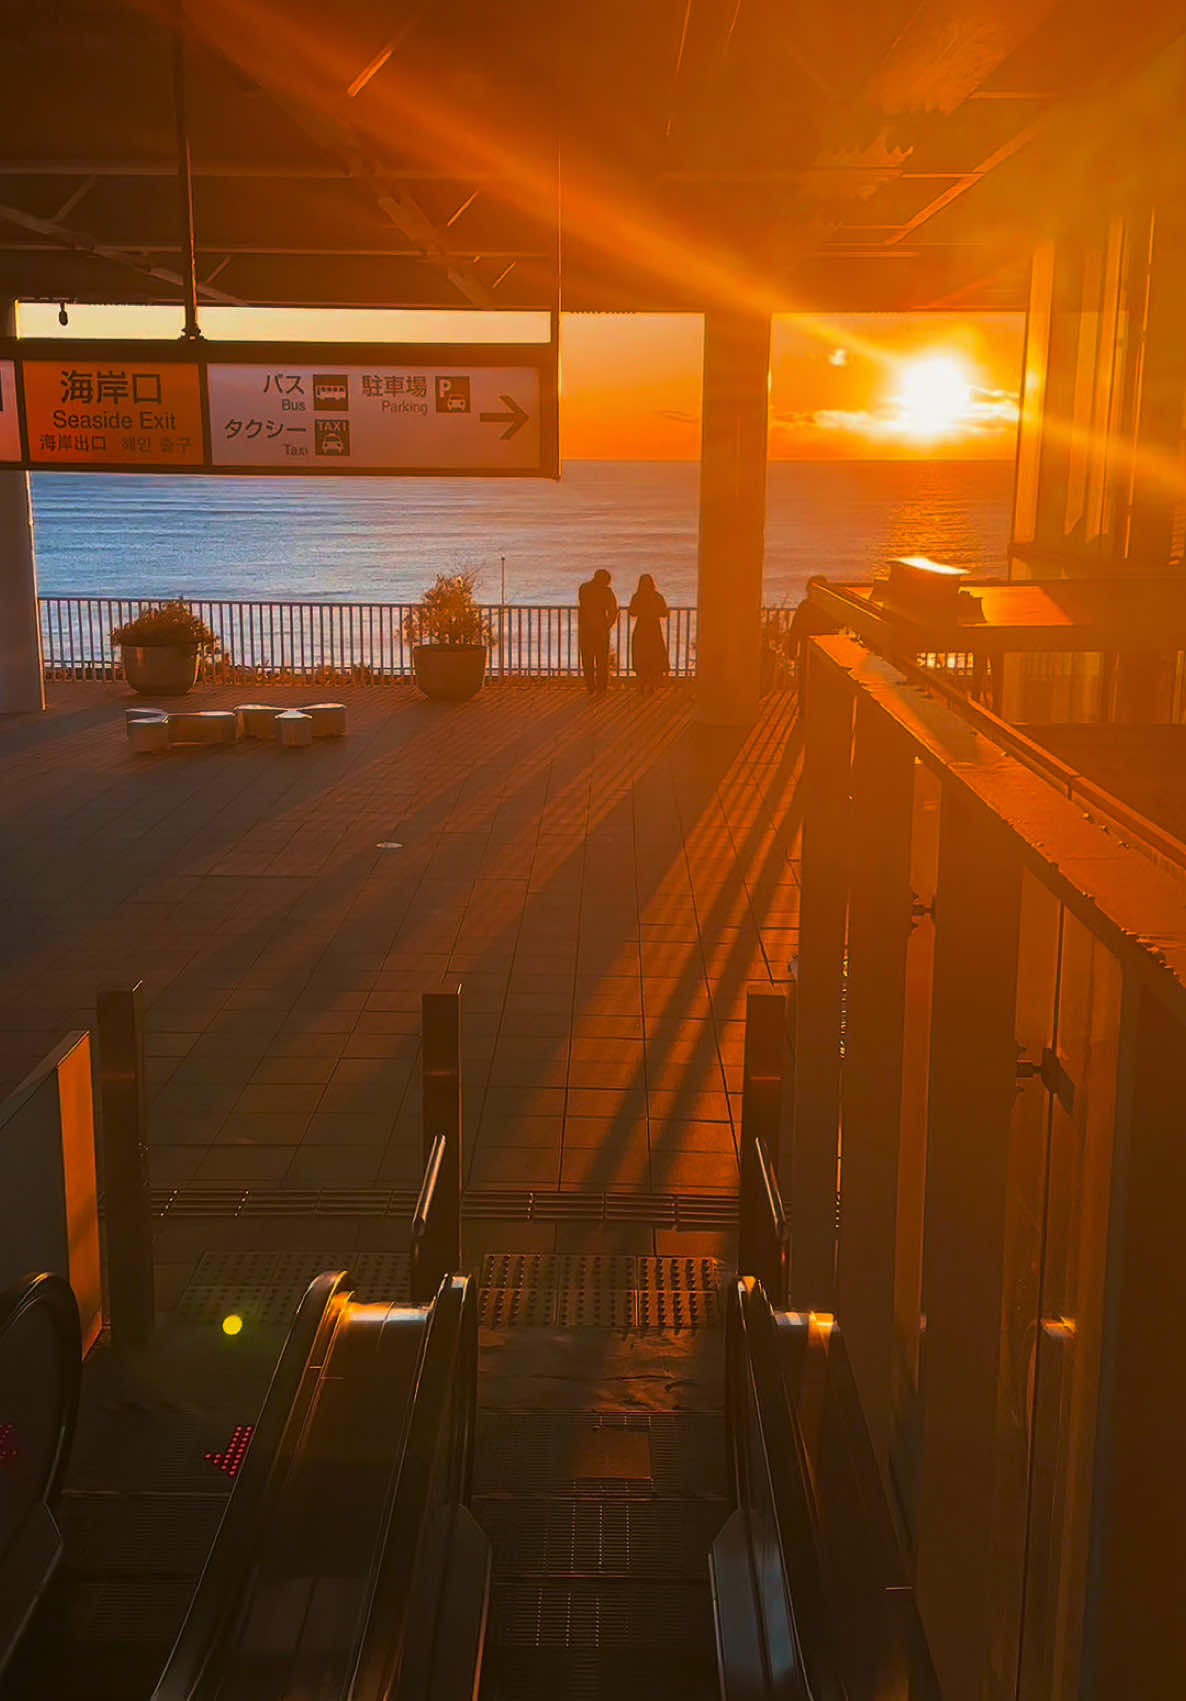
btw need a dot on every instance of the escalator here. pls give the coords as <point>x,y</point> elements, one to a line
<point>345,1563</point>
<point>40,1365</point>
<point>346,1545</point>
<point>348,1565</point>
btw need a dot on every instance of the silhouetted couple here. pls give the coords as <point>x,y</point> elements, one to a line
<point>598,613</point>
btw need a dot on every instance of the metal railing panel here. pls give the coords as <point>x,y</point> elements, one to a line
<point>275,639</point>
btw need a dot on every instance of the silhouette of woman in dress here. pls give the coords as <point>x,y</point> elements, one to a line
<point>648,647</point>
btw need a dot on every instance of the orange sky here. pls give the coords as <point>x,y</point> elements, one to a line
<point>631,386</point>
<point>858,386</point>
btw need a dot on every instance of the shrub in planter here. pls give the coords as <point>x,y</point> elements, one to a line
<point>449,635</point>
<point>160,649</point>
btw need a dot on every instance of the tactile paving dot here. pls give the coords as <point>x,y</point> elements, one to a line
<point>267,1287</point>
<point>510,1308</point>
<point>664,1308</point>
<point>596,1308</point>
<point>519,1269</point>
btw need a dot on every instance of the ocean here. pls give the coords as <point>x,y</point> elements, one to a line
<point>384,540</point>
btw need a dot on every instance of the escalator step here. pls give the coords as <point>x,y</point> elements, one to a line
<point>570,1538</point>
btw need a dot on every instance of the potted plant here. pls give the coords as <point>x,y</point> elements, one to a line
<point>449,635</point>
<point>160,649</point>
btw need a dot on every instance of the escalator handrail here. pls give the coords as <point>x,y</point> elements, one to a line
<point>786,1466</point>
<point>219,1593</point>
<point>55,1295</point>
<point>381,1645</point>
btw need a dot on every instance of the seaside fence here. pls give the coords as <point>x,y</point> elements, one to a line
<point>336,640</point>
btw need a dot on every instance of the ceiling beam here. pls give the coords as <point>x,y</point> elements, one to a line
<point>948,48</point>
<point>237,250</point>
<point>337,136</point>
<point>62,237</point>
<point>960,187</point>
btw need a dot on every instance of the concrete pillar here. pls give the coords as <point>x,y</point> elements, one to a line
<point>1162,400</point>
<point>1063,436</point>
<point>21,687</point>
<point>732,517</point>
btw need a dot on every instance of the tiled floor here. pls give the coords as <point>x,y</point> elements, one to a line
<point>603,878</point>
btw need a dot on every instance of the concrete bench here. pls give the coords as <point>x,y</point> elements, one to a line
<point>203,726</point>
<point>329,719</point>
<point>257,720</point>
<point>148,734</point>
<point>294,729</point>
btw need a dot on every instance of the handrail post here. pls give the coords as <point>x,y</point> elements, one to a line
<point>440,1097</point>
<point>761,1231</point>
<point>123,1098</point>
<point>433,1227</point>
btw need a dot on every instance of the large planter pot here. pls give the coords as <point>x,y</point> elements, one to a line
<point>451,672</point>
<point>160,670</point>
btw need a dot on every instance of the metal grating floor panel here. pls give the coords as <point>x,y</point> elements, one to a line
<point>129,1449</point>
<point>159,1535</point>
<point>705,1211</point>
<point>603,1614</point>
<point>141,1610</point>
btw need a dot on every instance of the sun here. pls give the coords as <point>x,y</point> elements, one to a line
<point>935,398</point>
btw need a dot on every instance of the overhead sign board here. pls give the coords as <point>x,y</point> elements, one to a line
<point>409,409</point>
<point>411,417</point>
<point>10,421</point>
<point>113,412</point>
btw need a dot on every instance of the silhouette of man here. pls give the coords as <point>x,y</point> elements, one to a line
<point>598,609</point>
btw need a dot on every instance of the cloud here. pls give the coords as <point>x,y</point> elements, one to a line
<point>988,412</point>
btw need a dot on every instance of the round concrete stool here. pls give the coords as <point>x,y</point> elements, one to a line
<point>257,720</point>
<point>329,719</point>
<point>294,729</point>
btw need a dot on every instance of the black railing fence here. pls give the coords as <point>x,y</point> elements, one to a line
<point>261,640</point>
